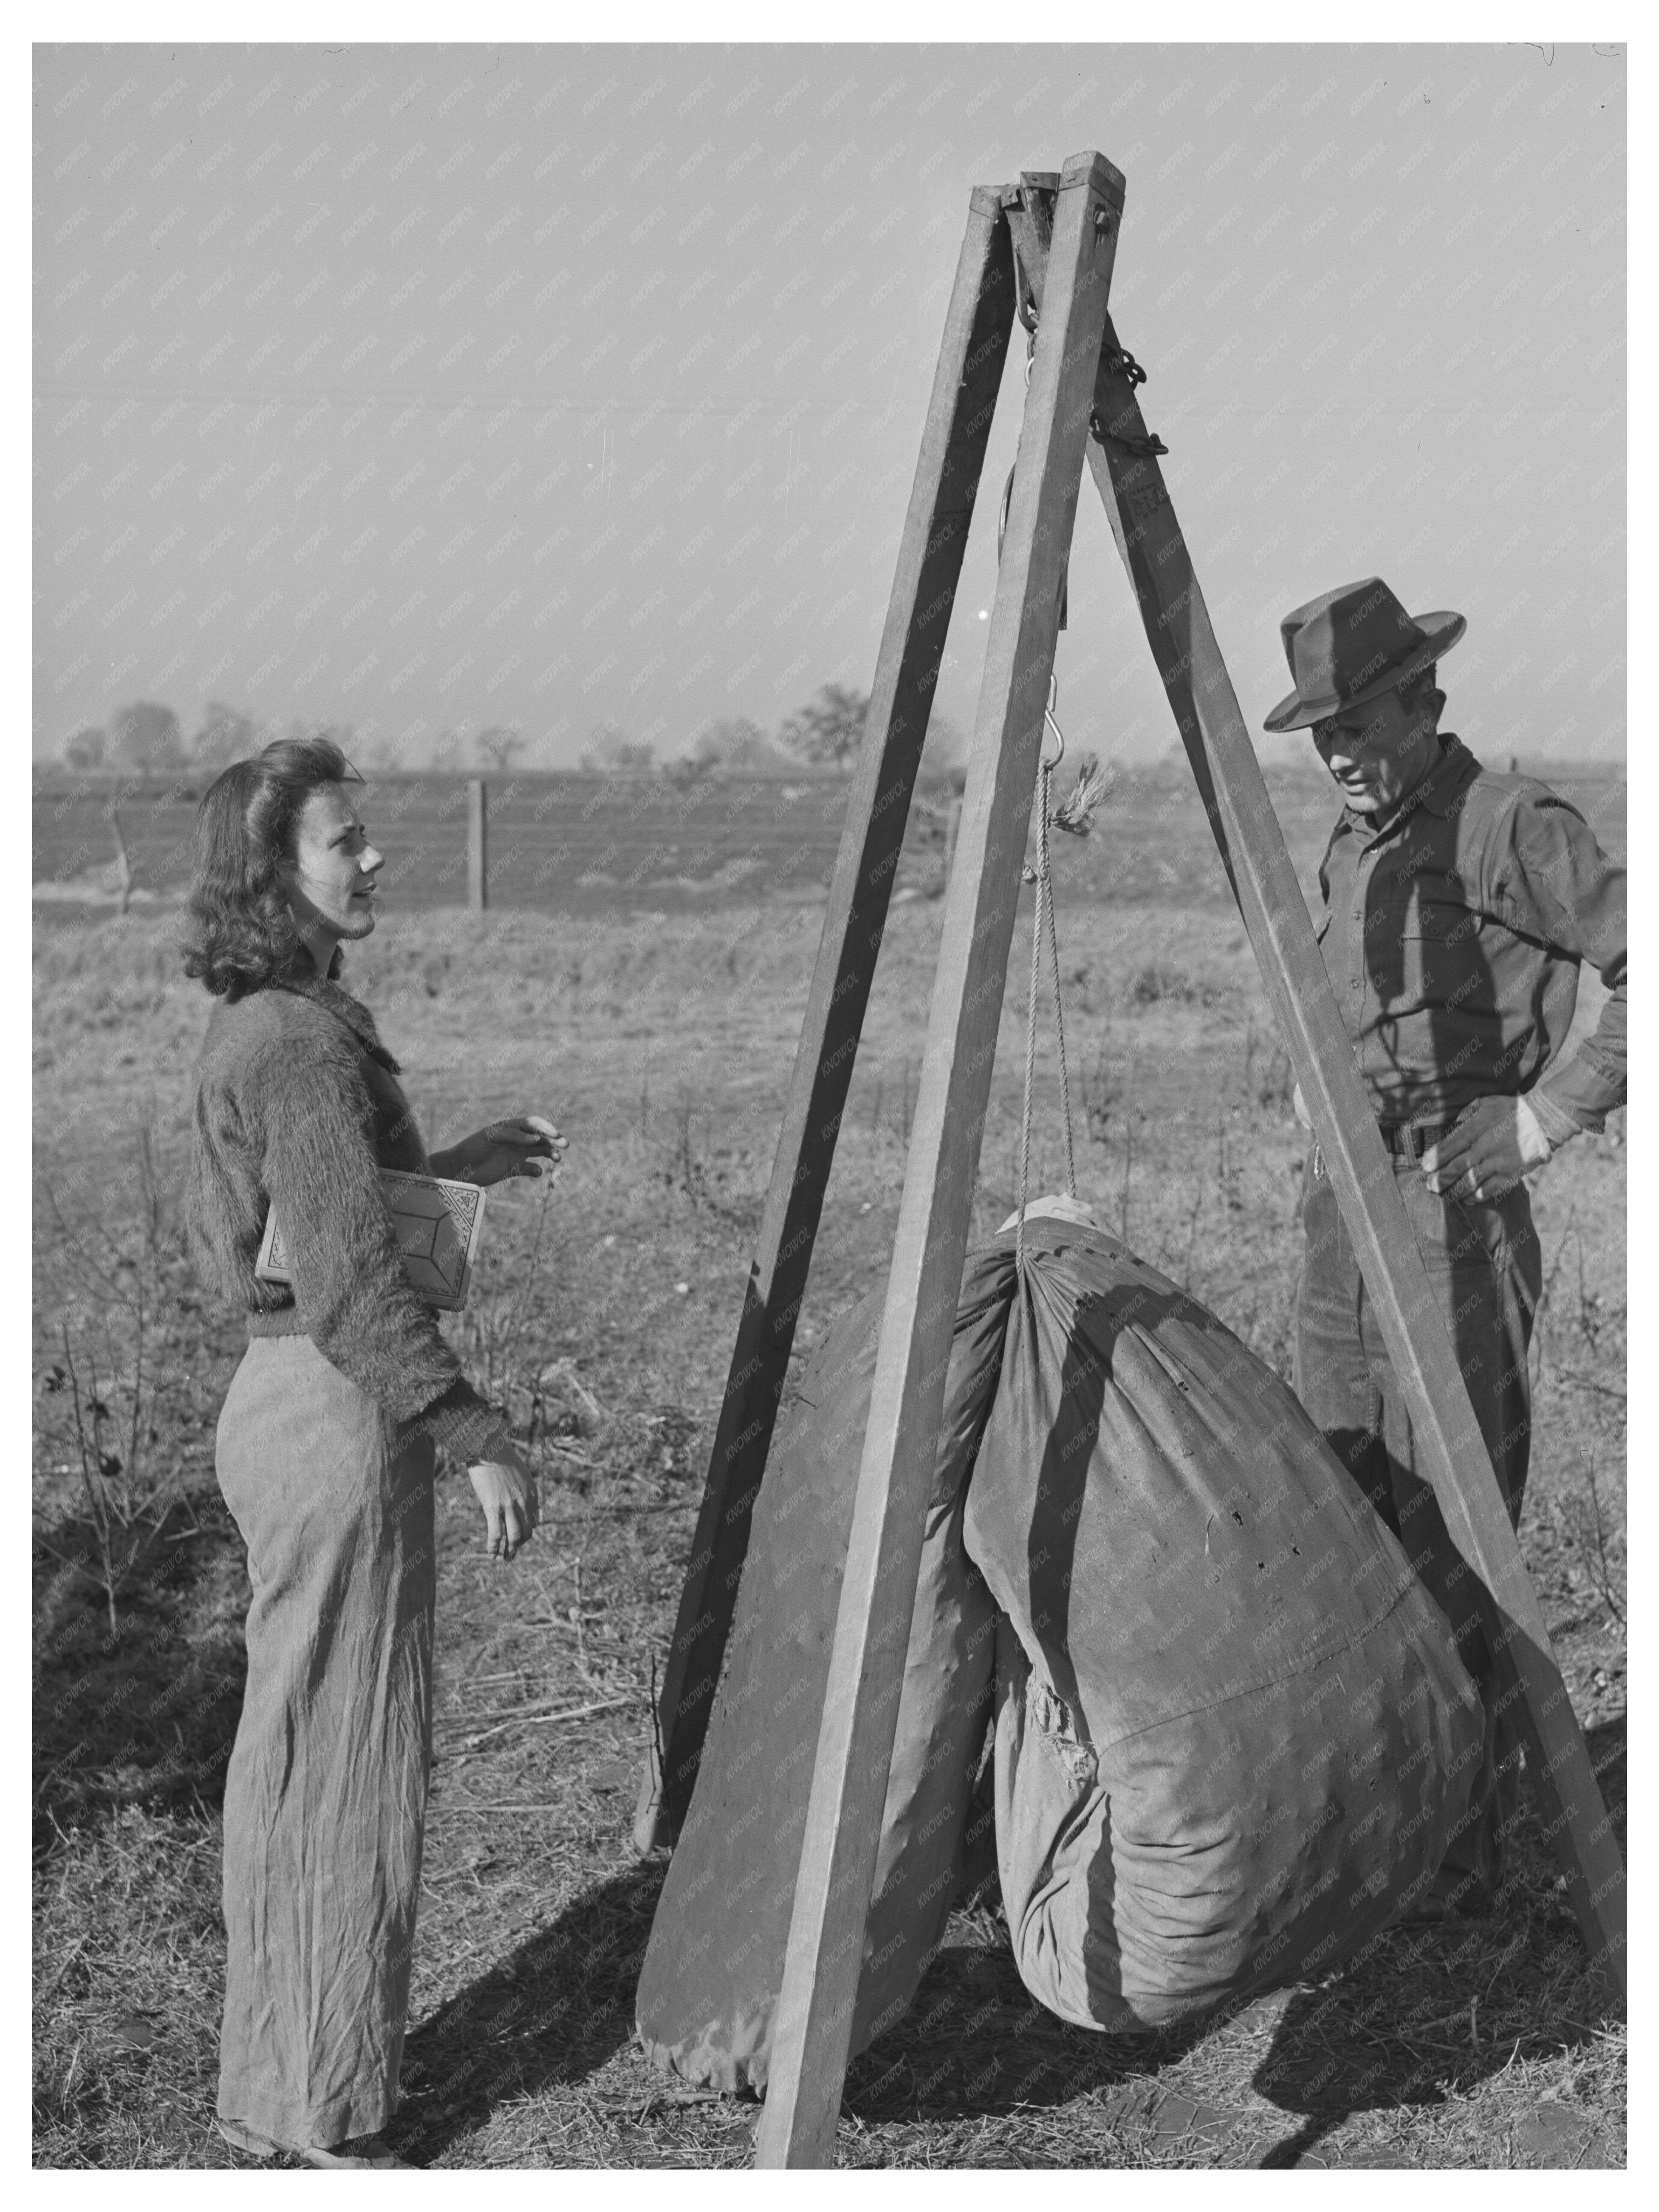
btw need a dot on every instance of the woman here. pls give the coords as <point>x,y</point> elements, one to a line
<point>325,1454</point>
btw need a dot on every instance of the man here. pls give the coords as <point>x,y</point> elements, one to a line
<point>1458,906</point>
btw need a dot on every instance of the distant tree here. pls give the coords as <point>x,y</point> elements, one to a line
<point>85,750</point>
<point>376,749</point>
<point>446,753</point>
<point>146,739</point>
<point>495,748</point>
<point>686,768</point>
<point>732,746</point>
<point>945,756</point>
<point>600,751</point>
<point>227,734</point>
<point>611,751</point>
<point>829,727</point>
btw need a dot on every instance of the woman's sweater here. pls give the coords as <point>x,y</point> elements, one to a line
<point>298,1107</point>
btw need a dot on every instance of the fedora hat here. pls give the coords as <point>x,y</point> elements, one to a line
<point>1353,644</point>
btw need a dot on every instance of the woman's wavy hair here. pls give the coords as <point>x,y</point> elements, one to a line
<point>239,932</point>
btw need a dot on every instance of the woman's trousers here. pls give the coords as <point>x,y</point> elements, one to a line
<point>325,1793</point>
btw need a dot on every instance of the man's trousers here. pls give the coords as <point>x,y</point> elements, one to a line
<point>1485,1269</point>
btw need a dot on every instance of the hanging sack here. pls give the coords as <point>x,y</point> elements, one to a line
<point>1233,1732</point>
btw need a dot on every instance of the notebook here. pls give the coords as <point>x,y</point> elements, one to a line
<point>437,1224</point>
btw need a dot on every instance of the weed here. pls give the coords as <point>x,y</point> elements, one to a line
<point>124,1285</point>
<point>685,1170</point>
<point>1544,1313</point>
<point>1591,1311</point>
<point>1592,1521</point>
<point>107,1477</point>
<point>1100,1090</point>
<point>1269,1080</point>
<point>1150,985</point>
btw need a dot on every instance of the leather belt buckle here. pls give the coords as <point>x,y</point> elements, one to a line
<point>1408,1140</point>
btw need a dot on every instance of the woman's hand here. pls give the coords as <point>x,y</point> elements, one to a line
<point>506,1489</point>
<point>524,1145</point>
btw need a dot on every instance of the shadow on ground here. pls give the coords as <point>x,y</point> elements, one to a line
<point>1432,2013</point>
<point>144,1713</point>
<point>552,2014</point>
<point>1393,2032</point>
<point>975,2044</point>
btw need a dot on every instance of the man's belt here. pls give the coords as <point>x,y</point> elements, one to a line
<point>1409,1140</point>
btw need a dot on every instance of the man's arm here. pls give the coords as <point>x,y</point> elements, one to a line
<point>1555,883</point>
<point>1552,883</point>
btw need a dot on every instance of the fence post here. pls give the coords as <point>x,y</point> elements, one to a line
<point>953,824</point>
<point>123,860</point>
<point>477,844</point>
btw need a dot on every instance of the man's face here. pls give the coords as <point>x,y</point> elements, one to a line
<point>1378,752</point>
<point>331,878</point>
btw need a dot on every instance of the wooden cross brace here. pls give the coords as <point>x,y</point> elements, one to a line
<point>1042,251</point>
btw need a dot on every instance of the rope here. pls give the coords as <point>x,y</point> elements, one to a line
<point>1076,815</point>
<point>1060,1025</point>
<point>1031,1020</point>
<point>1043,916</point>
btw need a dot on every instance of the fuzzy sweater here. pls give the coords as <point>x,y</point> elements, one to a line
<point>298,1106</point>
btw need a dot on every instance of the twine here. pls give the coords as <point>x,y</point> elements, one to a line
<point>1044,915</point>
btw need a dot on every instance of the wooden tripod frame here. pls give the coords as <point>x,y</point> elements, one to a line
<point>1063,231</point>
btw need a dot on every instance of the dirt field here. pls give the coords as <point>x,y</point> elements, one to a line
<point>661,1038</point>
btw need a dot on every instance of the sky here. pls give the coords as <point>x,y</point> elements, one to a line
<point>424,389</point>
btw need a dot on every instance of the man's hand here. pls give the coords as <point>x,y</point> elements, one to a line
<point>507,1491</point>
<point>1494,1144</point>
<point>522,1144</point>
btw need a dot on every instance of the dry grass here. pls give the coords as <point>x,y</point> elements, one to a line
<point>662,1046</point>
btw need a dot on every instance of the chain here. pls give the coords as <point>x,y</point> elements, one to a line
<point>1144,449</point>
<point>1118,360</point>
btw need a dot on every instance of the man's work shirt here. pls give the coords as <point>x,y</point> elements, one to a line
<point>1452,938</point>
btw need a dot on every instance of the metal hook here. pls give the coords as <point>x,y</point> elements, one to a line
<point>1050,723</point>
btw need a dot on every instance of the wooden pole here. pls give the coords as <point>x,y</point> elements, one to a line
<point>849,1779</point>
<point>1421,1349</point>
<point>477,844</point>
<point>977,324</point>
<point>123,860</point>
